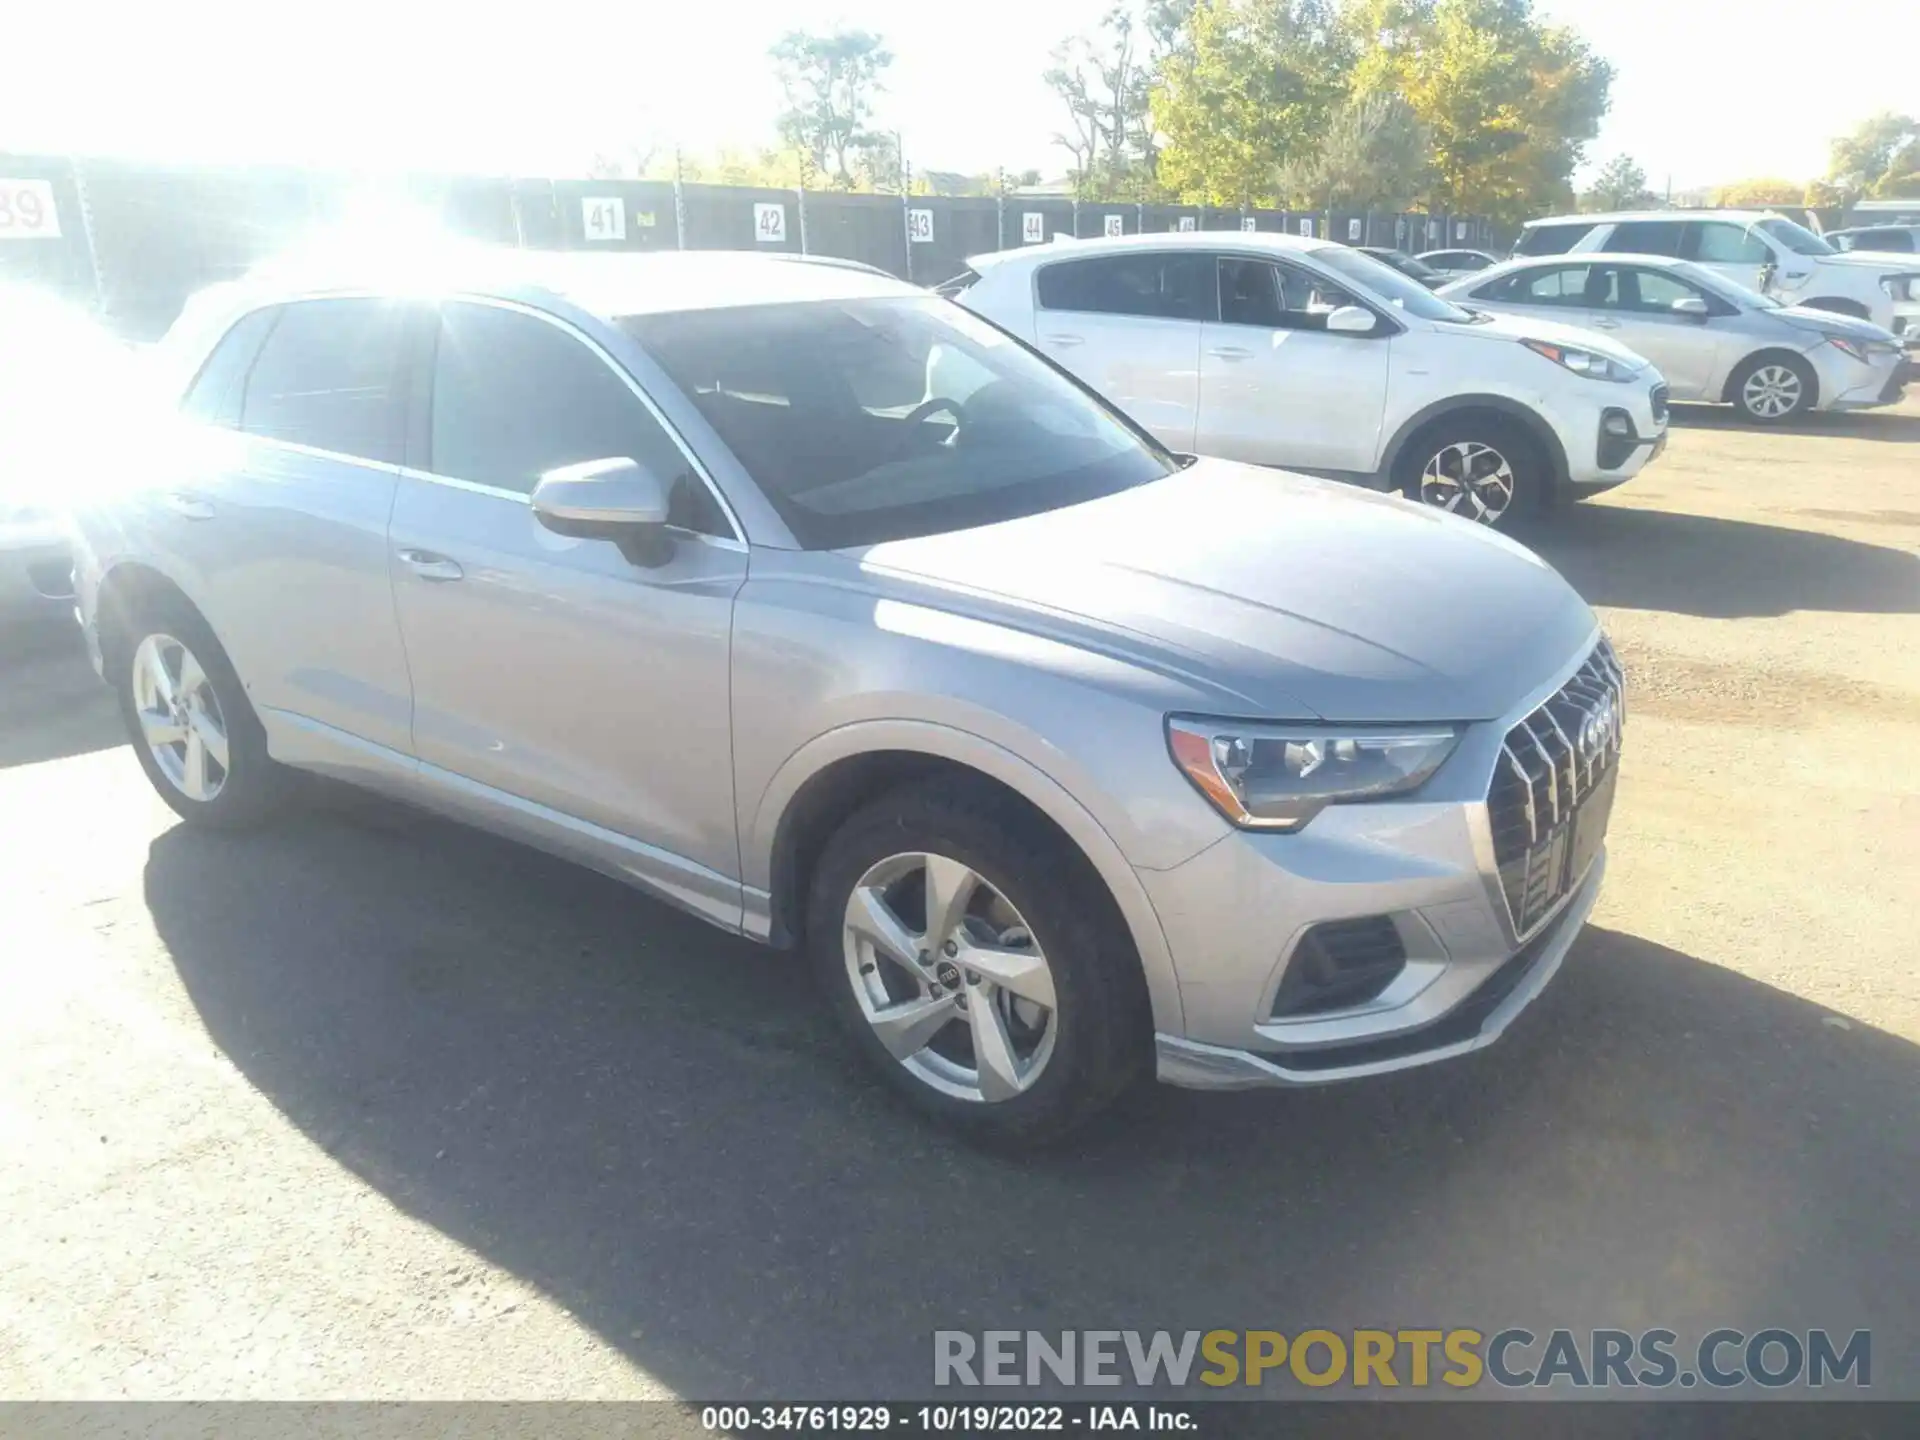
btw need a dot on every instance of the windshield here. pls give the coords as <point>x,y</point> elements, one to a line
<point>872,420</point>
<point>1797,238</point>
<point>1390,285</point>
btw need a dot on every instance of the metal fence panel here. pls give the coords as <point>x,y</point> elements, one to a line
<point>869,228</point>
<point>1098,219</point>
<point>1031,220</point>
<point>1159,219</point>
<point>42,248</point>
<point>614,214</point>
<point>740,217</point>
<point>952,229</point>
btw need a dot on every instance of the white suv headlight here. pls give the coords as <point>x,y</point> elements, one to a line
<point>1278,776</point>
<point>1589,363</point>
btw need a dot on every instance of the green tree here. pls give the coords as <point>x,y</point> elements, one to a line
<point>1510,102</point>
<point>1880,159</point>
<point>1620,185</point>
<point>1374,155</point>
<point>1104,79</point>
<point>1246,90</point>
<point>1758,194</point>
<point>831,83</point>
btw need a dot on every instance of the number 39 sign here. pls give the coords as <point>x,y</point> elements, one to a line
<point>27,212</point>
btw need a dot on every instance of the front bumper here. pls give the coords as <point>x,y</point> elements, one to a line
<point>1477,1021</point>
<point>1243,919</point>
<point>1624,432</point>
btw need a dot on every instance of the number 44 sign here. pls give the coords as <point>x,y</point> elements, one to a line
<point>27,211</point>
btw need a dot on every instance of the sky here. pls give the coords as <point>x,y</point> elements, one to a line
<point>1706,90</point>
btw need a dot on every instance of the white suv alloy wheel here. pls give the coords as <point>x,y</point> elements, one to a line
<point>1469,479</point>
<point>180,718</point>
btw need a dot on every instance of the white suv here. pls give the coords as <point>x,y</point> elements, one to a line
<point>1314,356</point>
<point>1756,248</point>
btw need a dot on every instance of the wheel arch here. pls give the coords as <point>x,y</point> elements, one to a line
<point>1736,377</point>
<point>1501,406</point>
<point>123,589</point>
<point>1838,305</point>
<point>825,781</point>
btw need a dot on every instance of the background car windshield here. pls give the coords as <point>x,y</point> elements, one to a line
<point>1797,238</point>
<point>1390,285</point>
<point>872,420</point>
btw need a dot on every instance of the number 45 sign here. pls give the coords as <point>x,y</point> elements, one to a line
<point>27,211</point>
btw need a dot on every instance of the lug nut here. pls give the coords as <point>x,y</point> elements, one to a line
<point>951,948</point>
<point>973,977</point>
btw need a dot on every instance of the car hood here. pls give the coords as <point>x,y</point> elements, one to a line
<point>1264,593</point>
<point>1829,322</point>
<point>1887,262</point>
<point>1505,326</point>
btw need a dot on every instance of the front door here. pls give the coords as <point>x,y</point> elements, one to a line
<point>557,683</point>
<point>1276,388</point>
<point>1734,250</point>
<point>1684,347</point>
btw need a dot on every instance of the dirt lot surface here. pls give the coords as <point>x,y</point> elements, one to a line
<point>365,1105</point>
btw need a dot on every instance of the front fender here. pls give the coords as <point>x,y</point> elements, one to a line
<point>962,747</point>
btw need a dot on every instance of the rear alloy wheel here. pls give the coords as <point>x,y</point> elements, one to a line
<point>192,727</point>
<point>1773,388</point>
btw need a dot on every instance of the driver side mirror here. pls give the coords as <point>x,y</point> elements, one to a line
<point>1691,306</point>
<point>1351,320</point>
<point>615,499</point>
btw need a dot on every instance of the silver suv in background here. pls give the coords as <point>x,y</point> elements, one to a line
<point>823,609</point>
<point>1755,248</point>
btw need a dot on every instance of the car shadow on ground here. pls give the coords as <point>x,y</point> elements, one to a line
<point>1638,559</point>
<point>656,1125</point>
<point>52,705</point>
<point>1892,426</point>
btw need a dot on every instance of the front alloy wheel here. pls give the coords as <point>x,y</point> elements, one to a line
<point>950,977</point>
<point>1471,479</point>
<point>1772,392</point>
<point>180,718</point>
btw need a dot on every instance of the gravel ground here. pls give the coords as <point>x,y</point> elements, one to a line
<point>369,1106</point>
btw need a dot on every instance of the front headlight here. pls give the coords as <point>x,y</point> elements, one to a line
<point>1278,776</point>
<point>1583,362</point>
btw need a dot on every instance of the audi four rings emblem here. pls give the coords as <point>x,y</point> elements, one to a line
<point>1597,729</point>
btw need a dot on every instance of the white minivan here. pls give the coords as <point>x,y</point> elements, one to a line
<point>1310,355</point>
<point>1754,248</point>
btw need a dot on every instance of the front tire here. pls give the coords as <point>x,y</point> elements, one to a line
<point>192,727</point>
<point>1771,389</point>
<point>978,964</point>
<point>1481,468</point>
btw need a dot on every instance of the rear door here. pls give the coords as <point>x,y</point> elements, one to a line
<point>278,515</point>
<point>1276,388</point>
<point>1129,325</point>
<point>582,696</point>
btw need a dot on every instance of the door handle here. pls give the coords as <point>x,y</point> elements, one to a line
<point>1230,352</point>
<point>1605,324</point>
<point>1065,341</point>
<point>429,566</point>
<point>187,506</point>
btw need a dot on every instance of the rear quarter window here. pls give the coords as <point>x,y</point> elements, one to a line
<point>1157,287</point>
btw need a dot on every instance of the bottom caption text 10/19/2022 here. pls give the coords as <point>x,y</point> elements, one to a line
<point>949,1419</point>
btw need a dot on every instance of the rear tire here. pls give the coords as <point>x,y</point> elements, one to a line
<point>1479,467</point>
<point>193,729</point>
<point>1773,388</point>
<point>1001,1064</point>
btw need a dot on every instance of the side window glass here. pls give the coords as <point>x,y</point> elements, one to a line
<point>1550,239</point>
<point>515,397</point>
<point>214,396</point>
<point>1150,286</point>
<point>1250,294</point>
<point>1646,237</point>
<point>1560,285</point>
<point>1655,291</point>
<point>1718,243</point>
<point>329,376</point>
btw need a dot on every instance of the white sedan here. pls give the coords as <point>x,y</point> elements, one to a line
<point>1713,339</point>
